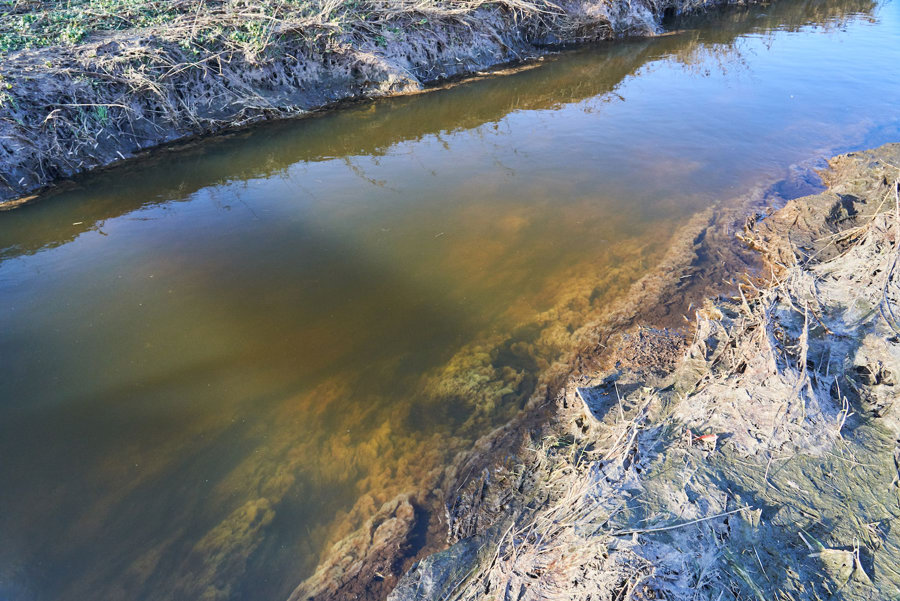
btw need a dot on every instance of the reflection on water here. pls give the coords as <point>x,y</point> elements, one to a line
<point>221,361</point>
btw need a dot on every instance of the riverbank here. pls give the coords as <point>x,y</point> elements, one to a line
<point>755,458</point>
<point>84,85</point>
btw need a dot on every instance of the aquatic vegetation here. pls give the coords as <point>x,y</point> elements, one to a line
<point>762,464</point>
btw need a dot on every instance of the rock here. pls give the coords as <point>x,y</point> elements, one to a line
<point>109,48</point>
<point>838,564</point>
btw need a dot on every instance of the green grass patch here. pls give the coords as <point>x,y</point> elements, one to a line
<point>213,25</point>
<point>31,24</point>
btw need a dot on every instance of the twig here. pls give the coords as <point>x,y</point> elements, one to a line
<point>682,525</point>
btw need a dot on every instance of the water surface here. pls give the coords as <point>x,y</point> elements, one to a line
<point>222,360</point>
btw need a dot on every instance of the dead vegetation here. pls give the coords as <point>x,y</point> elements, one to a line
<point>764,465</point>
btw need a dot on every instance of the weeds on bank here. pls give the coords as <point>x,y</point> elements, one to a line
<point>205,25</point>
<point>34,24</point>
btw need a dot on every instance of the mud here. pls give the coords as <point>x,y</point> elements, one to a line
<point>761,465</point>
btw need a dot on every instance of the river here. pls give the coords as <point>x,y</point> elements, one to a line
<point>221,360</point>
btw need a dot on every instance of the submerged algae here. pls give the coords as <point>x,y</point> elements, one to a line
<point>759,467</point>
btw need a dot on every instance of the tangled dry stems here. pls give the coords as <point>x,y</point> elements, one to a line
<point>775,341</point>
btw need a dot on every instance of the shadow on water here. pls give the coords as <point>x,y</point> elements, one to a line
<point>222,359</point>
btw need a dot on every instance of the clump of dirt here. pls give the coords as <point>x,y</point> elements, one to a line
<point>650,349</point>
<point>763,465</point>
<point>198,68</point>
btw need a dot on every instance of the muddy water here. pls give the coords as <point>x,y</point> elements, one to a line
<point>221,361</point>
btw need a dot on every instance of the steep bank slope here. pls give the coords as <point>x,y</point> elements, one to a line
<point>129,79</point>
<point>760,463</point>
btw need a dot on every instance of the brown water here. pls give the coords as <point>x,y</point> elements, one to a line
<point>222,360</point>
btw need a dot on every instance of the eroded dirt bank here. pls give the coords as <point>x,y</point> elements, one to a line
<point>754,459</point>
<point>69,109</point>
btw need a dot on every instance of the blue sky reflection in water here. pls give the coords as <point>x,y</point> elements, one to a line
<point>221,360</point>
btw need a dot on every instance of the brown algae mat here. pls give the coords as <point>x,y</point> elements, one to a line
<point>756,459</point>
